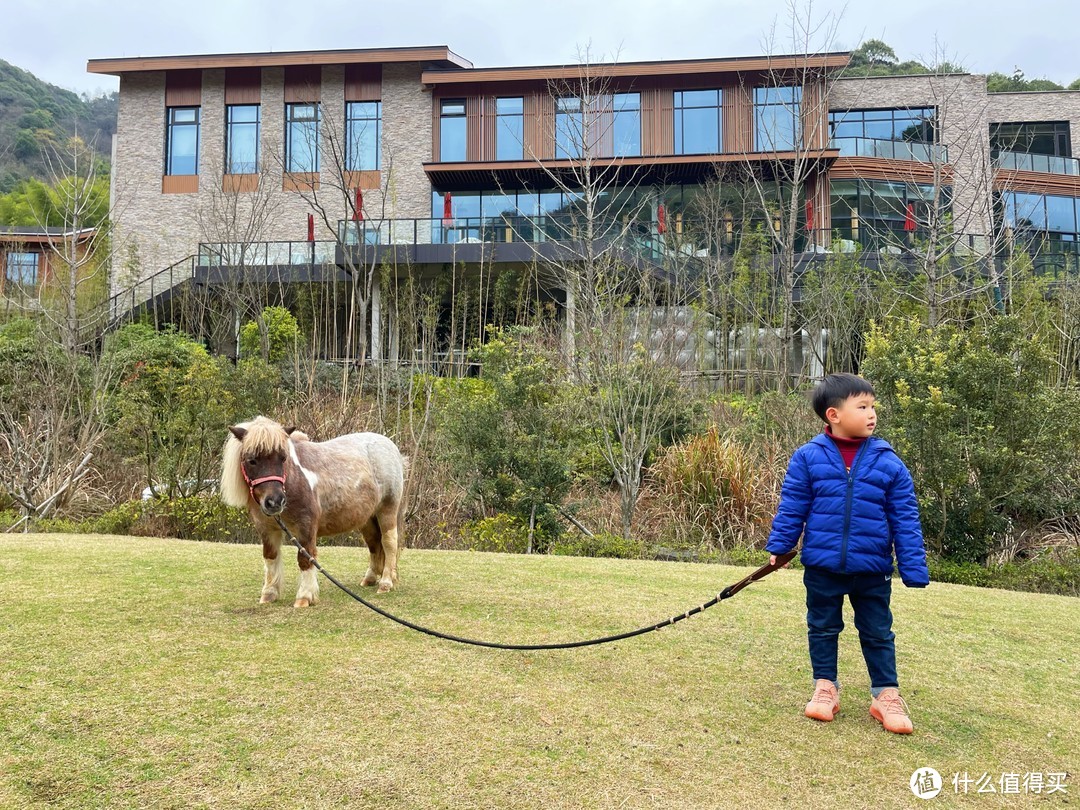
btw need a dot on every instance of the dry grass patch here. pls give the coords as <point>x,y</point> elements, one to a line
<point>142,672</point>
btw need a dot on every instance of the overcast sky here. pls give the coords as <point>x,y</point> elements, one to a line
<point>54,38</point>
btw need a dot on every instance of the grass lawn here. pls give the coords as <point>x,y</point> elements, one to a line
<point>143,673</point>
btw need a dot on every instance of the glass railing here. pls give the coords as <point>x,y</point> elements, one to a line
<point>891,150</point>
<point>1024,162</point>
<point>503,228</point>
<point>265,254</point>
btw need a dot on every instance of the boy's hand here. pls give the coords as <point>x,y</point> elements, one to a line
<point>772,561</point>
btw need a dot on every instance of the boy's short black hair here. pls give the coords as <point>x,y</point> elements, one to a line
<point>832,391</point>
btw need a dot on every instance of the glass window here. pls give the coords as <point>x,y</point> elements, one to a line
<point>1060,214</point>
<point>698,122</point>
<point>302,137</point>
<point>21,269</point>
<point>182,140</point>
<point>242,139</point>
<point>569,128</point>
<point>777,118</point>
<point>913,124</point>
<point>1026,211</point>
<point>626,124</point>
<point>881,207</point>
<point>363,135</point>
<point>452,130</point>
<point>1033,138</point>
<point>509,128</point>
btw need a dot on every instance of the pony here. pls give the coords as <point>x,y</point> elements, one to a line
<point>316,489</point>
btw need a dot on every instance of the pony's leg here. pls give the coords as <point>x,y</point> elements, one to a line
<point>273,566</point>
<point>373,538</point>
<point>307,593</point>
<point>388,524</point>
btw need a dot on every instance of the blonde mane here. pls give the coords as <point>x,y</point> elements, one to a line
<point>264,436</point>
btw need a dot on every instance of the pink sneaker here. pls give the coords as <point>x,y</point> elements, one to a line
<point>889,709</point>
<point>825,704</point>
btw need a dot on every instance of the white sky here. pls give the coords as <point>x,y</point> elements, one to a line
<point>54,38</point>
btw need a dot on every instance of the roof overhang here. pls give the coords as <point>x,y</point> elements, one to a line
<point>738,64</point>
<point>437,55</point>
<point>479,176</point>
<point>19,235</point>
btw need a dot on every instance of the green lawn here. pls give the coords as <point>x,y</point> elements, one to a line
<point>143,673</point>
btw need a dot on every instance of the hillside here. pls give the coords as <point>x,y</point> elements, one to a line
<point>143,672</point>
<point>34,114</point>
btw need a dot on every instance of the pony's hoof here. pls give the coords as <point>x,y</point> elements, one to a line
<point>266,598</point>
<point>301,603</point>
<point>368,581</point>
<point>385,587</point>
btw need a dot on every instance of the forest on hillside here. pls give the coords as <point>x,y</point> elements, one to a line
<point>36,115</point>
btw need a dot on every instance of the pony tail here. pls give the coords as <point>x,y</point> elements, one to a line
<point>234,490</point>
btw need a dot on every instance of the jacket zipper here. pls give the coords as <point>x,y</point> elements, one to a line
<point>848,499</point>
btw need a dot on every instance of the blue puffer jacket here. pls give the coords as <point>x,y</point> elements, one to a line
<point>851,523</point>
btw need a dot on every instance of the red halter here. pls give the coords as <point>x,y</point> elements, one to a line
<point>252,484</point>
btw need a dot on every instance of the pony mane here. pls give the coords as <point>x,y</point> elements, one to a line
<point>264,436</point>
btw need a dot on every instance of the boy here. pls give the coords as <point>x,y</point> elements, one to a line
<point>851,499</point>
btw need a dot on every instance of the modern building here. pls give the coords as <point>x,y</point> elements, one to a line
<point>308,159</point>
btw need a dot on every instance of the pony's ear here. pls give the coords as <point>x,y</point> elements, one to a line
<point>289,430</point>
<point>238,432</point>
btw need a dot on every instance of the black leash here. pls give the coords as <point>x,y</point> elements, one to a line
<point>727,593</point>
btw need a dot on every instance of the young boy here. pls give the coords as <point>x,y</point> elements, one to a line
<point>851,499</point>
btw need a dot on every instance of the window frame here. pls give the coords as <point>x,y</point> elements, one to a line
<point>455,117</point>
<point>770,110</point>
<point>679,110</point>
<point>10,265</point>
<point>294,124</point>
<point>516,141</point>
<point>230,126</point>
<point>173,128</point>
<point>353,156</point>
<point>617,114</point>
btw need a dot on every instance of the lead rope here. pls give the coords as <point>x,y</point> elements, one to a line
<point>728,592</point>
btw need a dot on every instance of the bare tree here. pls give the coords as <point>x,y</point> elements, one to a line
<point>355,215</point>
<point>237,216</point>
<point>618,274</point>
<point>79,254</point>
<point>791,114</point>
<point>52,421</point>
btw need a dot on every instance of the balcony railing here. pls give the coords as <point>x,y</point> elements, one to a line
<point>1024,162</point>
<point>891,150</point>
<point>501,228</point>
<point>265,254</point>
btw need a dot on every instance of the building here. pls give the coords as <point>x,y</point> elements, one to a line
<point>414,155</point>
<point>32,256</point>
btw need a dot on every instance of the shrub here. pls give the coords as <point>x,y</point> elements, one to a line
<point>282,332</point>
<point>718,486</point>
<point>191,518</point>
<point>602,544</point>
<point>504,533</point>
<point>508,435</point>
<point>963,408</point>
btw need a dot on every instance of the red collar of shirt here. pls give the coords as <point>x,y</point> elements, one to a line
<point>848,448</point>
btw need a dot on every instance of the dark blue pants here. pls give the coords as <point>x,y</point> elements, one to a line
<point>869,595</point>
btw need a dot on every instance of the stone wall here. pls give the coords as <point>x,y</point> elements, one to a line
<point>1059,105</point>
<point>155,229</point>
